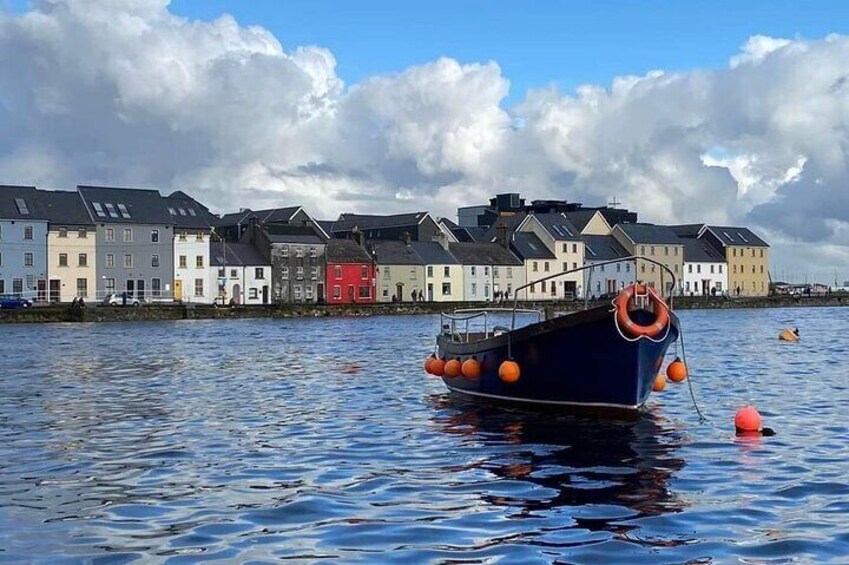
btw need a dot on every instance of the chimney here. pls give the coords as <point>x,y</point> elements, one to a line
<point>406,238</point>
<point>357,236</point>
<point>442,240</point>
<point>502,236</point>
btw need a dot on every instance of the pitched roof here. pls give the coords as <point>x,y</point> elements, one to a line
<point>687,230</point>
<point>326,225</point>
<point>603,248</point>
<point>737,236</point>
<point>700,251</point>
<point>559,226</point>
<point>64,207</point>
<point>237,255</point>
<point>281,233</point>
<point>482,254</point>
<point>188,212</point>
<point>432,253</point>
<point>451,225</point>
<point>345,251</point>
<point>20,203</point>
<point>527,245</point>
<point>650,233</point>
<point>347,222</point>
<point>388,252</point>
<point>497,229</point>
<point>470,235</point>
<point>580,218</point>
<point>234,218</point>
<point>126,205</point>
<point>274,215</point>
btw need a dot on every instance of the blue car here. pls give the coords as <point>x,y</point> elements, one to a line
<point>12,302</point>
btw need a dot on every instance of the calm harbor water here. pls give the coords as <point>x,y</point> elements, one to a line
<point>322,440</point>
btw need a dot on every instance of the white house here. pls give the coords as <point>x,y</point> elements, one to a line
<point>705,269</point>
<point>239,273</point>
<point>611,278</point>
<point>192,235</point>
<point>488,269</point>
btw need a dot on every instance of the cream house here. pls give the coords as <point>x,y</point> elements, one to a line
<point>563,239</point>
<point>400,271</point>
<point>443,273</point>
<point>658,243</point>
<point>589,222</point>
<point>71,249</point>
<point>539,262</point>
<point>747,257</point>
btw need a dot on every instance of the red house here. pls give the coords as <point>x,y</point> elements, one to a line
<point>350,273</point>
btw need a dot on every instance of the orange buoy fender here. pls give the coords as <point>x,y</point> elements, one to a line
<point>428,361</point>
<point>659,383</point>
<point>748,419</point>
<point>509,371</point>
<point>453,369</point>
<point>788,335</point>
<point>437,367</point>
<point>677,371</point>
<point>623,315</point>
<point>471,368</point>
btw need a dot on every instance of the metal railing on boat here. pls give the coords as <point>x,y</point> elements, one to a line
<point>465,315</point>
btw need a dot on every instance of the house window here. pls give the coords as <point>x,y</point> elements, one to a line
<point>495,270</point>
<point>642,250</point>
<point>128,235</point>
<point>534,267</point>
<point>734,269</point>
<point>337,292</point>
<point>314,273</point>
<point>413,274</point>
<point>446,288</point>
<point>574,248</point>
<point>690,268</point>
<point>155,287</point>
<point>753,252</point>
<point>533,287</point>
<point>364,273</point>
<point>762,253</point>
<point>474,289</point>
<point>675,249</point>
<point>337,271</point>
<point>762,269</point>
<point>546,266</point>
<point>28,232</point>
<point>618,267</point>
<point>734,252</point>
<point>17,286</point>
<point>643,268</point>
<point>199,261</point>
<point>184,262</point>
<point>652,249</point>
<point>259,273</point>
<point>199,236</point>
<point>2,286</point>
<point>198,287</point>
<point>312,251</point>
<point>711,269</point>
<point>364,292</point>
<point>284,251</point>
<point>128,261</point>
<point>753,269</point>
<point>666,250</point>
<point>698,268</point>
<point>82,260</point>
<point>574,265</point>
<point>430,271</point>
<point>627,267</point>
<point>299,272</point>
<point>284,273</point>
<point>110,260</point>
<point>110,286</point>
<point>1,232</point>
<point>154,236</point>
<point>63,232</point>
<point>182,236</point>
<point>308,292</point>
<point>28,260</point>
<point>486,271</point>
<point>82,234</point>
<point>386,273</point>
<point>154,260</point>
<point>234,273</point>
<point>299,252</point>
<point>675,268</point>
<point>82,288</point>
<point>110,234</point>
<point>509,273</point>
<point>687,286</point>
<point>720,269</point>
<point>542,287</point>
<point>253,294</point>
<point>565,248</point>
<point>565,266</point>
<point>63,259</point>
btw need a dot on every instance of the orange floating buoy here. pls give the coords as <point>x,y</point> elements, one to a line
<point>659,383</point>
<point>509,371</point>
<point>428,361</point>
<point>676,371</point>
<point>789,335</point>
<point>453,369</point>
<point>437,367</point>
<point>471,368</point>
<point>748,419</point>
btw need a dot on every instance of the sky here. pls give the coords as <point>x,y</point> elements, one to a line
<point>726,112</point>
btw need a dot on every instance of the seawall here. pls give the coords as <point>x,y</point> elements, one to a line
<point>52,314</point>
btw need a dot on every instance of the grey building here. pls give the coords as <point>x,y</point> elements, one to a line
<point>134,247</point>
<point>415,226</point>
<point>236,226</point>
<point>23,243</point>
<point>297,258</point>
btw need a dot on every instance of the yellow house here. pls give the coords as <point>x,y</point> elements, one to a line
<point>658,243</point>
<point>400,271</point>
<point>589,222</point>
<point>747,256</point>
<point>70,248</point>
<point>563,239</point>
<point>443,273</point>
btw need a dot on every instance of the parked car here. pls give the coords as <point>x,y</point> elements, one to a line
<point>10,302</point>
<point>116,299</point>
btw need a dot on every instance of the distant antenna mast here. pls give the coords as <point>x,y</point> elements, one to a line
<point>614,203</point>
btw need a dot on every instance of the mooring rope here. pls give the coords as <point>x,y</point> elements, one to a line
<point>702,418</point>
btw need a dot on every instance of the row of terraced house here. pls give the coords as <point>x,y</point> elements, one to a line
<point>96,241</point>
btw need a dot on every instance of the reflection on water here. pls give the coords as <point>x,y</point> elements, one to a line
<point>307,440</point>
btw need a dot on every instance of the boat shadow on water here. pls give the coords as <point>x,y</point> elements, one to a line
<point>589,465</point>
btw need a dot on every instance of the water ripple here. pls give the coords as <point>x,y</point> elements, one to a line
<point>321,441</point>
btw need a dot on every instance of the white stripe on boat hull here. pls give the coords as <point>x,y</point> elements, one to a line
<point>551,402</point>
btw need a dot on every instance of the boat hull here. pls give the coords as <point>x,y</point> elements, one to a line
<point>576,362</point>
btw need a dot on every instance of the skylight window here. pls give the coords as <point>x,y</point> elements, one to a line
<point>124,212</point>
<point>567,230</point>
<point>192,212</point>
<point>182,211</point>
<point>590,249</point>
<point>743,237</point>
<point>98,209</point>
<point>113,213</point>
<point>22,206</point>
<point>172,211</point>
<point>725,233</point>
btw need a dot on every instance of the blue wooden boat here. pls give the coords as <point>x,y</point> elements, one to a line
<point>582,361</point>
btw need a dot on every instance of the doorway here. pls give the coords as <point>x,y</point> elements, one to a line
<point>265,294</point>
<point>399,291</point>
<point>131,288</point>
<point>140,288</point>
<point>430,292</point>
<point>237,294</point>
<point>55,290</point>
<point>178,289</point>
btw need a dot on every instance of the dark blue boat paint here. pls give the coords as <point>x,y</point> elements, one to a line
<point>577,360</point>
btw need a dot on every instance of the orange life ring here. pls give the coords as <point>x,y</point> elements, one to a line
<point>623,315</point>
